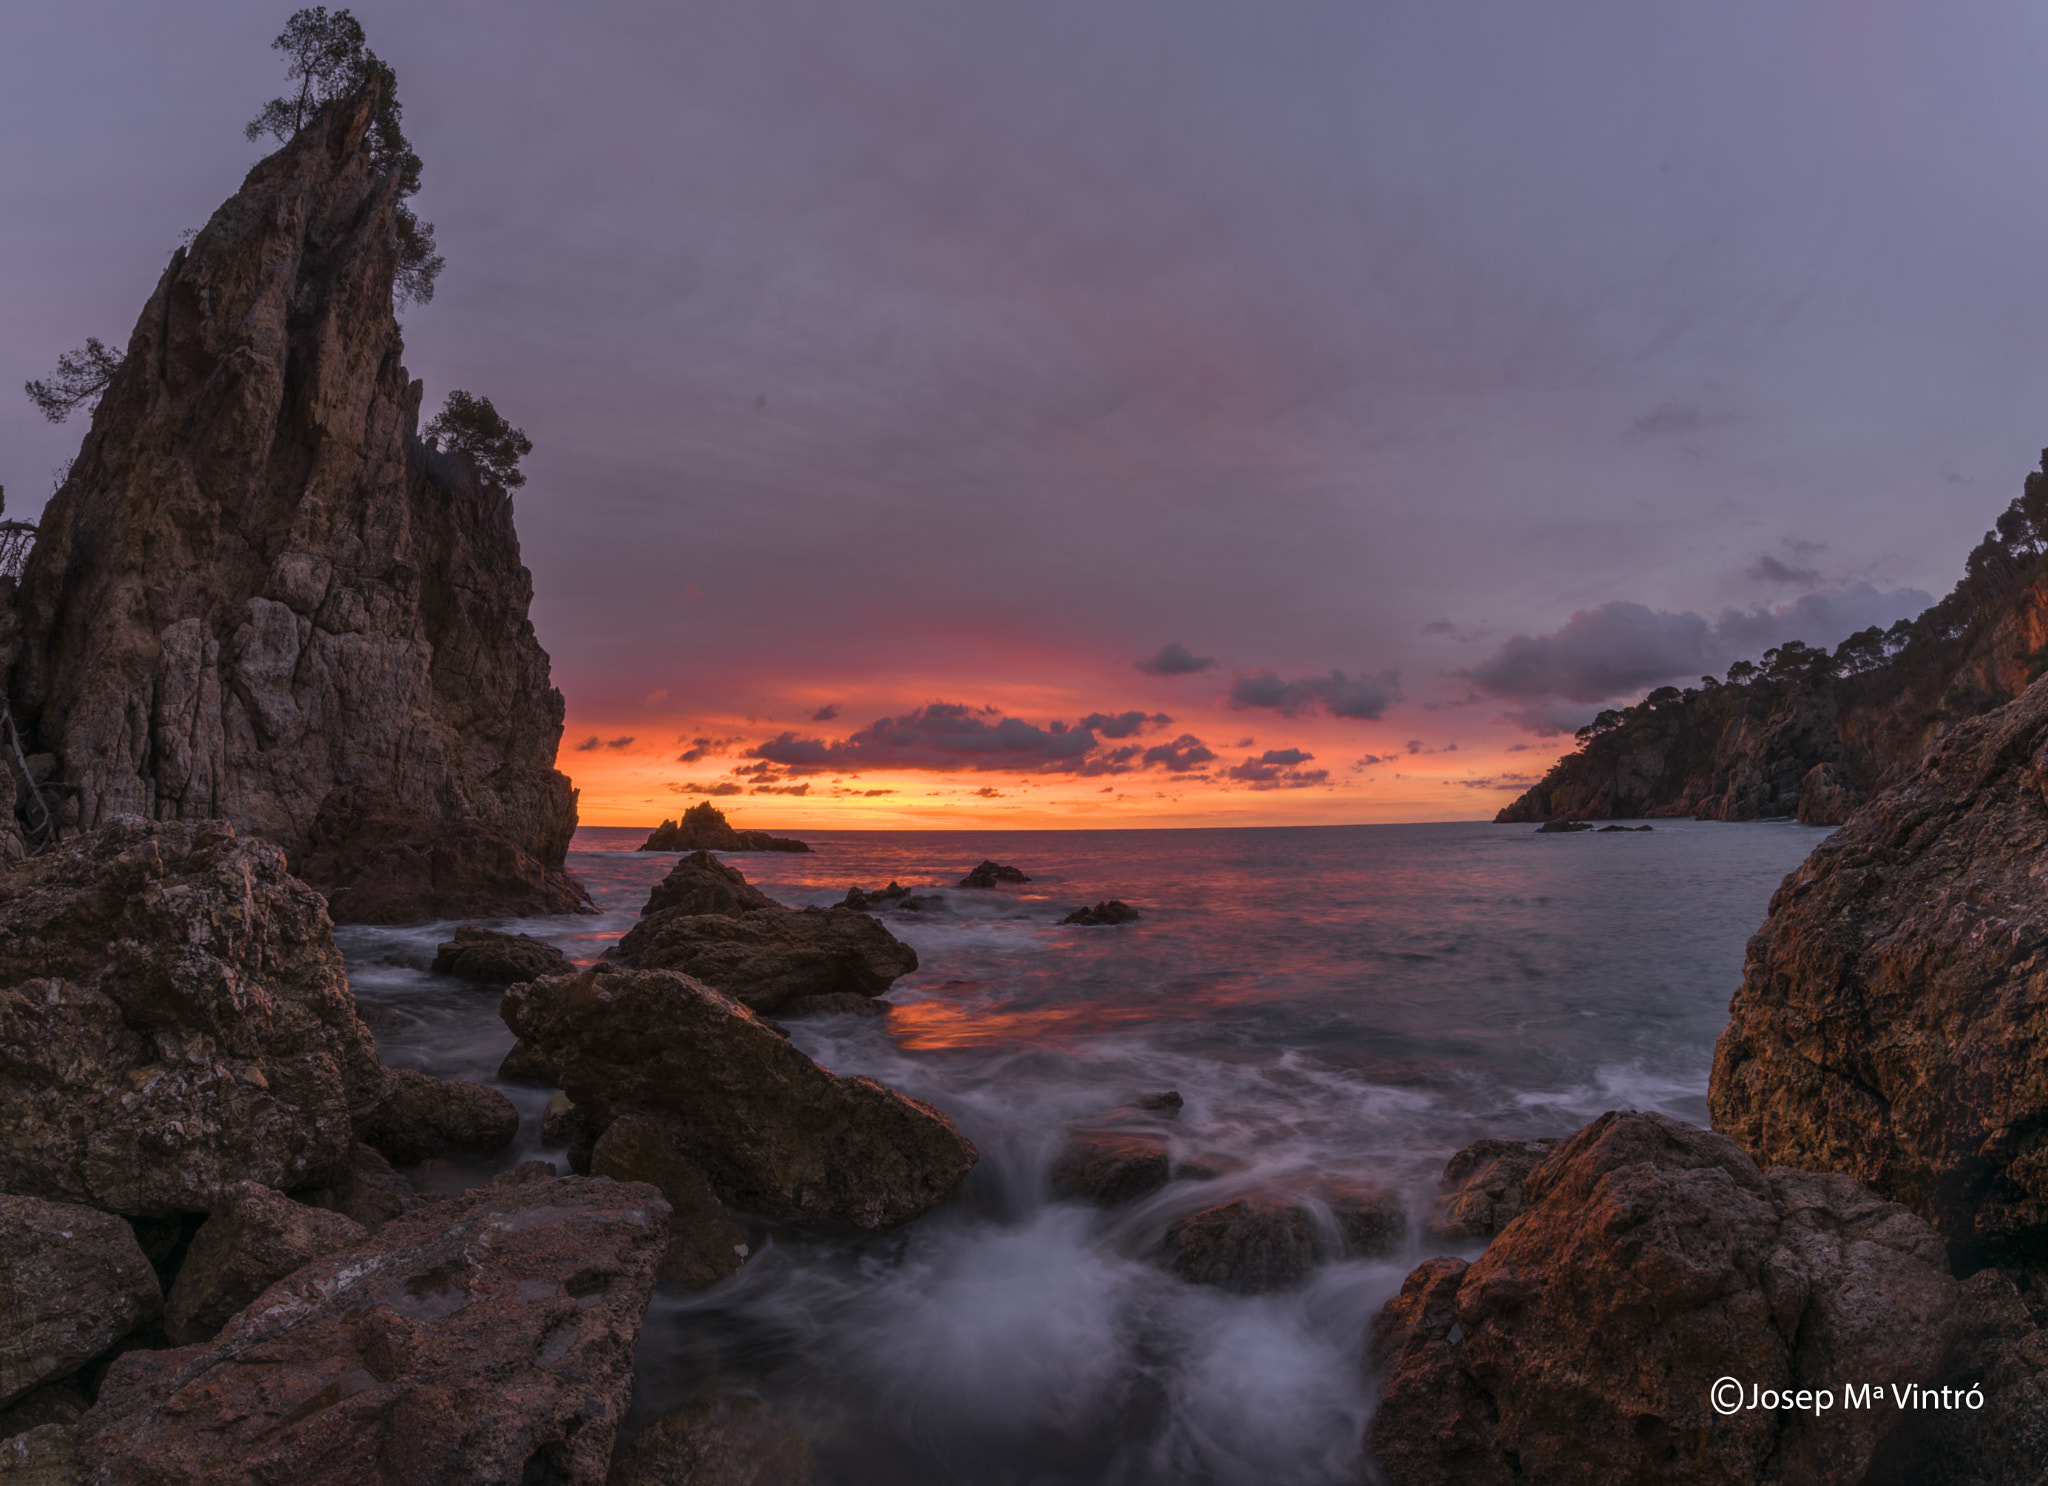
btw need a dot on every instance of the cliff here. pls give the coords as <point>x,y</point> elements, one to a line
<point>1814,734</point>
<point>260,597</point>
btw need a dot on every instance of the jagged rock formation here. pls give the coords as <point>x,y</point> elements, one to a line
<point>1816,735</point>
<point>259,597</point>
<point>1893,1017</point>
<point>704,828</point>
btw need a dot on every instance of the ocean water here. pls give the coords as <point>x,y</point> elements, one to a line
<point>1339,1002</point>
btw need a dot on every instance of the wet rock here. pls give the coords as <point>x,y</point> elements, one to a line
<point>1654,1259</point>
<point>1481,1190</point>
<point>1109,911</point>
<point>173,1020</point>
<point>727,1441</point>
<point>422,1116</point>
<point>704,828</point>
<point>1827,796</point>
<point>776,1134</point>
<point>701,883</point>
<point>1889,1024</point>
<point>525,1065</point>
<point>840,1003</point>
<point>704,1244</point>
<point>1167,1103</point>
<point>770,960</point>
<point>1371,1220</point>
<point>257,594</point>
<point>367,1190</point>
<point>865,902</point>
<point>563,1124</point>
<point>1106,1167</point>
<point>1563,827</point>
<point>44,1456</point>
<point>488,1338</point>
<point>1248,1247</point>
<point>72,1283</point>
<point>491,958</point>
<point>254,1238</point>
<point>988,874</point>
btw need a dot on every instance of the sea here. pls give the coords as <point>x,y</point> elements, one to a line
<point>1345,1002</point>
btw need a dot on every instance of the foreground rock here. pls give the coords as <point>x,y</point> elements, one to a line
<point>1654,1259</point>
<point>174,1020</point>
<point>1248,1247</point>
<point>1106,1167</point>
<point>775,1133</point>
<point>44,1456</point>
<point>489,1338</point>
<point>704,828</point>
<point>989,874</point>
<point>1109,911</point>
<point>1890,1022</point>
<point>253,1238</point>
<point>491,958</point>
<point>1481,1190</point>
<point>700,883</point>
<point>421,1117</point>
<point>704,1244</point>
<point>72,1283</point>
<point>258,596</point>
<point>718,1442</point>
<point>776,960</point>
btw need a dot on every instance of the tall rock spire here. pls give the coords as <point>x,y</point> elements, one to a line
<point>259,597</point>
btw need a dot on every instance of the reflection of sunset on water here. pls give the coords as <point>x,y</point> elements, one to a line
<point>927,1025</point>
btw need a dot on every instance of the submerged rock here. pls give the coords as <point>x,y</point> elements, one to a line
<point>772,959</point>
<point>704,1244</point>
<point>1109,911</point>
<point>704,828</point>
<point>989,874</point>
<point>488,1338</point>
<point>1890,1023</point>
<point>776,1134</point>
<point>1481,1190</point>
<point>700,883</point>
<point>491,958</point>
<point>725,1441</point>
<point>254,1238</point>
<point>1371,1220</point>
<point>258,597</point>
<point>1106,1167</point>
<point>72,1283</point>
<point>1655,1259</point>
<point>1563,827</point>
<point>885,897</point>
<point>1248,1246</point>
<point>173,1020</point>
<point>422,1116</point>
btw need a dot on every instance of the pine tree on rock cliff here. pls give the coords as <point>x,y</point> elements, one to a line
<point>471,427</point>
<point>81,377</point>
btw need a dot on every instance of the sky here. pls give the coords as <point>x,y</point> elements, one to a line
<point>1111,413</point>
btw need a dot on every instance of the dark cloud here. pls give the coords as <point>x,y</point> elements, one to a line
<point>1365,698</point>
<point>1124,724</point>
<point>947,737</point>
<point>703,748</point>
<point>1369,761</point>
<point>625,742</point>
<point>1771,570</point>
<point>1276,769</point>
<point>589,745</point>
<point>1181,755</point>
<point>989,792</point>
<point>1499,781</point>
<point>826,713</point>
<point>1174,659</point>
<point>1450,630</point>
<point>723,787</point>
<point>1288,757</point>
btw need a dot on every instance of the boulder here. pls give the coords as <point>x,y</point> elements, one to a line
<point>704,828</point>
<point>488,1338</point>
<point>884,897</point>
<point>1371,1220</point>
<point>173,1020</point>
<point>72,1283</point>
<point>258,597</point>
<point>701,883</point>
<point>1106,1167</point>
<point>988,874</point>
<point>422,1116</point>
<point>1563,827</point>
<point>1827,796</point>
<point>44,1456</point>
<point>367,1190</point>
<point>1109,911</point>
<point>770,960</point>
<point>1653,1260</point>
<point>1248,1247</point>
<point>776,1134</point>
<point>1892,1022</point>
<point>704,1244</point>
<point>252,1239</point>
<point>1481,1190</point>
<point>724,1441</point>
<point>491,958</point>
<point>563,1124</point>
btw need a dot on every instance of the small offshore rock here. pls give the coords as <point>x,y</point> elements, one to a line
<point>488,1338</point>
<point>1481,1190</point>
<point>724,1441</point>
<point>1109,911</point>
<point>704,828</point>
<point>422,1116</point>
<point>989,874</point>
<point>1625,830</point>
<point>73,1282</point>
<point>1166,1103</point>
<point>1248,1247</point>
<point>704,1244</point>
<point>1107,1167</point>
<point>769,960</point>
<point>491,958</point>
<point>1563,827</point>
<point>866,902</point>
<point>254,1238</point>
<point>701,883</point>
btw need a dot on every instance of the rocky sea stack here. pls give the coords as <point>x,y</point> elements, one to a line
<point>259,597</point>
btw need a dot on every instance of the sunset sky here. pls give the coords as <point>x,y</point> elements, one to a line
<point>1141,412</point>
